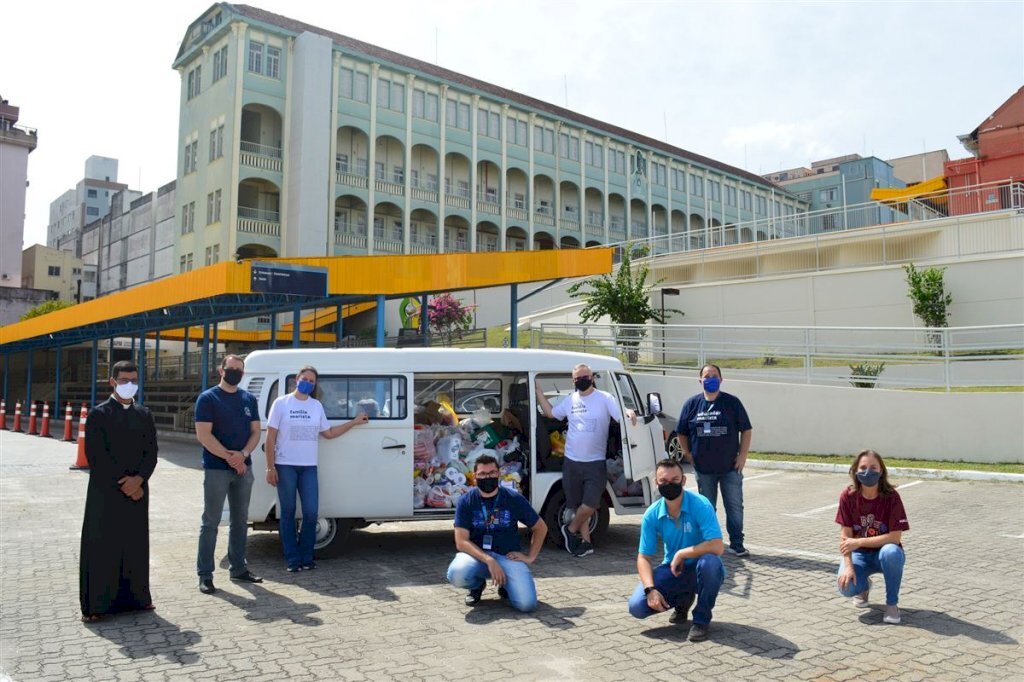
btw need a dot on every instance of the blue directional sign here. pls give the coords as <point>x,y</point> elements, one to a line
<point>282,278</point>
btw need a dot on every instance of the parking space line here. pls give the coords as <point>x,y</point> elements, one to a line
<point>834,558</point>
<point>754,478</point>
<point>1014,537</point>
<point>811,512</point>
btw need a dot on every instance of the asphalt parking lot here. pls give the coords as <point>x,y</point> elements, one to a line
<point>383,610</point>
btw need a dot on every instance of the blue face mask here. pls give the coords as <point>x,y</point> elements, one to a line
<point>711,384</point>
<point>869,477</point>
<point>305,387</point>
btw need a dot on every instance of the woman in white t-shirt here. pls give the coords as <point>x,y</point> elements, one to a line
<point>296,422</point>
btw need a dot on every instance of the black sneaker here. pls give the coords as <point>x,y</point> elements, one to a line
<point>572,540</point>
<point>206,586</point>
<point>681,612</point>
<point>583,548</point>
<point>738,551</point>
<point>309,567</point>
<point>474,596</point>
<point>502,593</point>
<point>698,633</point>
<point>247,577</point>
<point>294,569</point>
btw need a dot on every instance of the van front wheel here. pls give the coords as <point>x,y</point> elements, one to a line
<point>555,513</point>
<point>331,536</point>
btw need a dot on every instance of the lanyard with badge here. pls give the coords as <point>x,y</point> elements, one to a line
<point>490,521</point>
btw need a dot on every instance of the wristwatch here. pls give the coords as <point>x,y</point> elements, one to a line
<point>648,590</point>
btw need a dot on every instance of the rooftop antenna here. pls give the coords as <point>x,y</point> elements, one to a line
<point>565,85</point>
<point>435,46</point>
<point>664,117</point>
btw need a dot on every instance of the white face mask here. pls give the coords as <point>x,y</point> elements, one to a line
<point>126,391</point>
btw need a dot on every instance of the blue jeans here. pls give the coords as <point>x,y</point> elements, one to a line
<point>887,560</point>
<point>298,548</point>
<point>219,484</point>
<point>732,497</point>
<point>704,579</point>
<point>468,573</point>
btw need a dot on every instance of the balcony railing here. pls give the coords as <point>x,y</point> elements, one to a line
<point>422,247</point>
<point>351,179</point>
<point>422,194</point>
<point>350,239</point>
<point>518,213</point>
<point>387,187</point>
<point>258,221</point>
<point>569,225</point>
<point>261,156</point>
<point>383,245</point>
<point>457,201</point>
<point>487,205</point>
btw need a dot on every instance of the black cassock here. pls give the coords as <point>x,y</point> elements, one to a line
<point>114,568</point>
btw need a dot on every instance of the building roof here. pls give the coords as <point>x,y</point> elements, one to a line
<point>383,55</point>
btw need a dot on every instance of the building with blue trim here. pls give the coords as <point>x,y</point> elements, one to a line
<point>296,141</point>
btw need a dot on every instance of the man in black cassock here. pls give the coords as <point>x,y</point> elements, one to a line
<point>120,444</point>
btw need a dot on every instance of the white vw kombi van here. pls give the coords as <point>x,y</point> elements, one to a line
<point>368,475</point>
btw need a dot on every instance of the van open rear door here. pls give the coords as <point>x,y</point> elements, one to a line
<point>642,442</point>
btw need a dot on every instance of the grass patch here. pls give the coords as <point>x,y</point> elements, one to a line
<point>845,460</point>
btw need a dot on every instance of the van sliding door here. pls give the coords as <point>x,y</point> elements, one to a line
<point>639,450</point>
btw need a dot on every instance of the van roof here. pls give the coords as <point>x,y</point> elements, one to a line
<point>424,360</point>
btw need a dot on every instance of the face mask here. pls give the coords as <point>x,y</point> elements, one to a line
<point>305,387</point>
<point>126,391</point>
<point>711,384</point>
<point>583,383</point>
<point>869,477</point>
<point>670,491</point>
<point>232,376</point>
<point>487,485</point>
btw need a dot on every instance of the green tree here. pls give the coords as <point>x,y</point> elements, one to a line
<point>624,297</point>
<point>46,307</point>
<point>927,291</point>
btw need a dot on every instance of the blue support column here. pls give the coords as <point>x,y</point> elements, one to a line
<point>95,361</point>
<point>131,353</point>
<point>296,324</point>
<point>273,330</point>
<point>424,321</point>
<point>142,367</point>
<point>204,364</point>
<point>380,320</point>
<point>156,358</point>
<point>215,330</point>
<point>28,390</point>
<point>339,330</point>
<point>514,327</point>
<point>56,384</point>
<point>110,355</point>
<point>184,357</point>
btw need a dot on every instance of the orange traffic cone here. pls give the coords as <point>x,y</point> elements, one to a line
<point>17,416</point>
<point>32,419</point>
<point>44,432</point>
<point>3,415</point>
<point>82,462</point>
<point>68,422</point>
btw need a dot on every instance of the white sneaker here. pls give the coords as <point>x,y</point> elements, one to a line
<point>892,615</point>
<point>861,600</point>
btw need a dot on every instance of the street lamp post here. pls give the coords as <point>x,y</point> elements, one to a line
<point>670,292</point>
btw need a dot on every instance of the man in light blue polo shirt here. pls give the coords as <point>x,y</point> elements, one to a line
<point>692,567</point>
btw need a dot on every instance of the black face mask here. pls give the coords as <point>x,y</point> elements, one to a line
<point>583,383</point>
<point>670,491</point>
<point>232,377</point>
<point>487,485</point>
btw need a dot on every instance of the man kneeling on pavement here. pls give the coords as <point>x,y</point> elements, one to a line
<point>691,568</point>
<point>487,522</point>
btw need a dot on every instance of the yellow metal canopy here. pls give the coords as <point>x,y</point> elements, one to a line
<point>890,195</point>
<point>224,291</point>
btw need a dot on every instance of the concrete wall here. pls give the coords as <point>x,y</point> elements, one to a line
<point>793,418</point>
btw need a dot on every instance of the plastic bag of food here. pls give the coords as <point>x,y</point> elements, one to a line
<point>439,497</point>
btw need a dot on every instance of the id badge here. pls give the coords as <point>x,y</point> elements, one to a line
<point>488,542</point>
<point>707,428</point>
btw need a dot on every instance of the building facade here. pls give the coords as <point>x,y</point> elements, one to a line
<point>16,143</point>
<point>838,191</point>
<point>296,141</point>
<point>50,269</point>
<point>134,243</point>
<point>87,202</point>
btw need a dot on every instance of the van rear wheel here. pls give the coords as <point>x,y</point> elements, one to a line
<point>331,536</point>
<point>555,513</point>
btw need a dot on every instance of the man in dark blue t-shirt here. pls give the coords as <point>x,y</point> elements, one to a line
<point>228,426</point>
<point>487,522</point>
<point>714,433</point>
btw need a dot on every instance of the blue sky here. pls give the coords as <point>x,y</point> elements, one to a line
<point>760,85</point>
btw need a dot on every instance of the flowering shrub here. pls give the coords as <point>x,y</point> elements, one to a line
<point>448,318</point>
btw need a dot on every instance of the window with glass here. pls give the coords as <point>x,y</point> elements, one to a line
<point>696,185</point>
<point>255,57</point>
<point>464,395</point>
<point>273,66</point>
<point>345,397</point>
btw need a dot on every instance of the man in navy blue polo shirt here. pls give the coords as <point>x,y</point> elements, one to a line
<point>692,542</point>
<point>487,522</point>
<point>228,426</point>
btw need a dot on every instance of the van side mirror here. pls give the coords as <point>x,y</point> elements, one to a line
<point>654,403</point>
